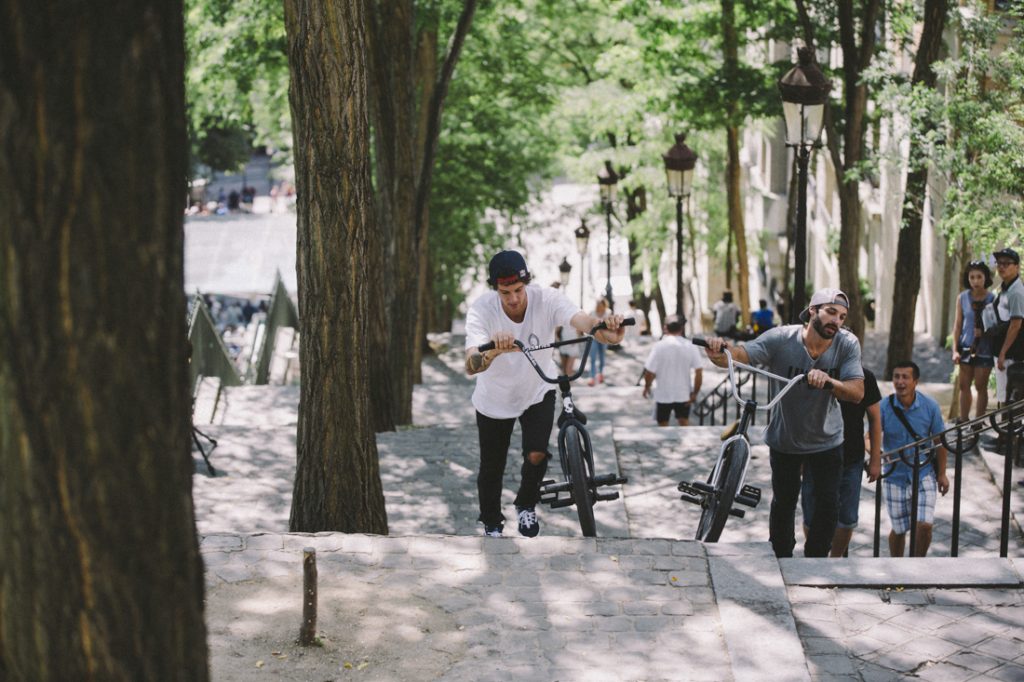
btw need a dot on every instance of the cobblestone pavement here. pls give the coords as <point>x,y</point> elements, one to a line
<point>640,601</point>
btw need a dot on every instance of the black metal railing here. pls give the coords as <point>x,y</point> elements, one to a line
<point>959,440</point>
<point>713,408</point>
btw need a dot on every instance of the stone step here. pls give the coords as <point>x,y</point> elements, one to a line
<point>474,608</point>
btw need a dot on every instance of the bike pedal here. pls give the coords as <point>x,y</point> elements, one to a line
<point>606,497</point>
<point>749,495</point>
<point>690,498</point>
<point>738,513</point>
<point>692,489</point>
<point>553,488</point>
<point>607,479</point>
<point>703,487</point>
<point>558,504</point>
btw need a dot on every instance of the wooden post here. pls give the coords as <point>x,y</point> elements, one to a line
<point>307,634</point>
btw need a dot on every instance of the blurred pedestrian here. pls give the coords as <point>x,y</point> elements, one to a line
<point>972,348</point>
<point>668,368</point>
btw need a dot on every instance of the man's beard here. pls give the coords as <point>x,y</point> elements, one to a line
<point>824,331</point>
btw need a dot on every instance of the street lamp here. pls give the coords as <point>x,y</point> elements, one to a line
<point>563,272</point>
<point>582,237</point>
<point>608,181</point>
<point>679,163</point>
<point>804,91</point>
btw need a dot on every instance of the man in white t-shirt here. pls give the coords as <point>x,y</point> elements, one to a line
<point>508,388</point>
<point>668,368</point>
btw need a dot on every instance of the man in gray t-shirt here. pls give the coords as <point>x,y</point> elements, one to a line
<point>806,428</point>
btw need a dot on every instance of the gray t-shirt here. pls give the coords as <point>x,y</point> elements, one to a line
<point>807,419</point>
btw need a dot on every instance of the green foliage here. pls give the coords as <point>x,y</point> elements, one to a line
<point>494,150</point>
<point>982,143</point>
<point>236,79</point>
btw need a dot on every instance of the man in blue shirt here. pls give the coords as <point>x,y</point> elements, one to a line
<point>923,418</point>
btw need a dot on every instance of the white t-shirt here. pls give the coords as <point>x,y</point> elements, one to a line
<point>671,361</point>
<point>510,385</point>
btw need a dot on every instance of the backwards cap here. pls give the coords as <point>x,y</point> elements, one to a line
<point>507,267</point>
<point>825,297</point>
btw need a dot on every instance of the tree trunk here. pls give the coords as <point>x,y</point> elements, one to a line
<point>431,131</point>
<point>426,80</point>
<point>908,250</point>
<point>736,224</point>
<point>734,196</point>
<point>393,299</point>
<point>100,575</point>
<point>856,59</point>
<point>337,478</point>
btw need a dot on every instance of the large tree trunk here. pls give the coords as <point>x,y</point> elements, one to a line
<point>393,296</point>
<point>737,226</point>
<point>908,250</point>
<point>431,133</point>
<point>392,67</point>
<point>734,196</point>
<point>100,575</point>
<point>337,477</point>
<point>426,80</point>
<point>856,59</point>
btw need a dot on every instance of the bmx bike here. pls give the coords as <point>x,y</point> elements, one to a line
<point>575,451</point>
<point>726,484</point>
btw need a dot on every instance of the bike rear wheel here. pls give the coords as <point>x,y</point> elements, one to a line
<point>579,478</point>
<point>718,504</point>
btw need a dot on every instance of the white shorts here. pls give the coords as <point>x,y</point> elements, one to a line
<point>1001,382</point>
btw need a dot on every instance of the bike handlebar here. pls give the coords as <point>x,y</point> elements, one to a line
<point>789,383</point>
<point>586,338</point>
<point>628,322</point>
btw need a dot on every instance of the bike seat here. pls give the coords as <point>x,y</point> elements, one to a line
<point>579,416</point>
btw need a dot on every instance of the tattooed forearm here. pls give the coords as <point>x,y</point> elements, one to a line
<point>477,362</point>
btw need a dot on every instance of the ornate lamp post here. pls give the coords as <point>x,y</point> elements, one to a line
<point>582,237</point>
<point>608,181</point>
<point>679,163</point>
<point>804,91</point>
<point>563,272</point>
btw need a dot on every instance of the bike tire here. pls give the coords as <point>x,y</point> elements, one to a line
<point>579,479</point>
<point>716,511</point>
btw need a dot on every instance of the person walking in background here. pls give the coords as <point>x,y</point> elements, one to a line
<point>507,388</point>
<point>640,328</point>
<point>727,314</point>
<point>669,366</point>
<point>597,349</point>
<point>972,348</point>
<point>909,416</point>
<point>763,318</point>
<point>805,429</point>
<point>854,445</point>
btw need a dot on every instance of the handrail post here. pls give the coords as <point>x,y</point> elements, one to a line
<point>1012,450</point>
<point>878,515</point>
<point>954,548</point>
<point>914,494</point>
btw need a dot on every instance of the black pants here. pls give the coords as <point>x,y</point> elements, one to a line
<point>826,467</point>
<point>495,436</point>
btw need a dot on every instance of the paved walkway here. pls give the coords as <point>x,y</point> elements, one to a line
<point>639,602</point>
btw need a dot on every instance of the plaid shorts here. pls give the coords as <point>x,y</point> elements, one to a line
<point>898,499</point>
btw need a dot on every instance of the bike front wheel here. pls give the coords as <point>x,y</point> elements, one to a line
<point>579,478</point>
<point>718,503</point>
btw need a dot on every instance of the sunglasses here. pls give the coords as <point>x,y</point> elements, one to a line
<point>1004,263</point>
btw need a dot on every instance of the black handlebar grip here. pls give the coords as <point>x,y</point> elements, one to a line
<point>699,342</point>
<point>486,347</point>
<point>627,322</point>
